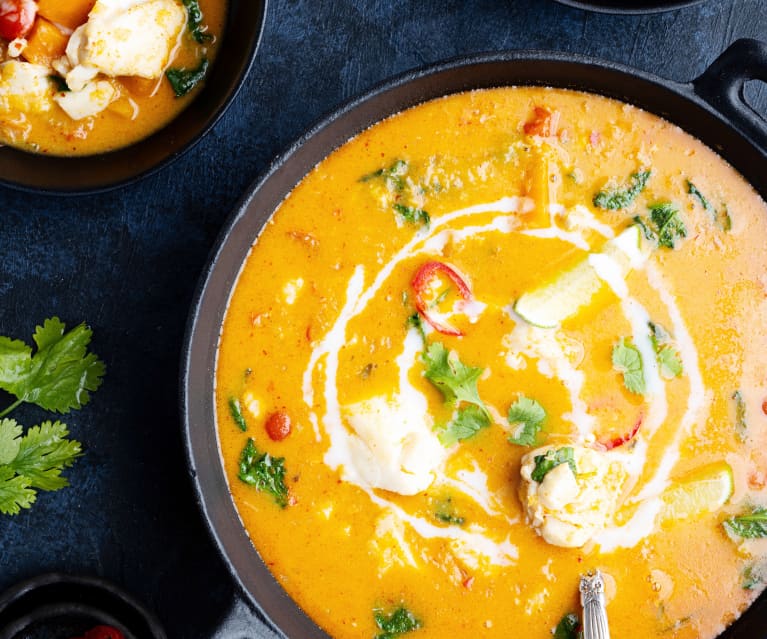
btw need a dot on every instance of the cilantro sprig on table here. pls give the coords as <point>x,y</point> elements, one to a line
<point>458,384</point>
<point>32,461</point>
<point>58,376</point>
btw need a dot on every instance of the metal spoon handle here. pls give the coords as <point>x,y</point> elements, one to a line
<point>592,589</point>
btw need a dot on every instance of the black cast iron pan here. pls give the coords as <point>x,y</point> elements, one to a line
<point>95,173</point>
<point>631,7</point>
<point>710,108</point>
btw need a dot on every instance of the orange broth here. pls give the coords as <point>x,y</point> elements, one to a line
<point>342,550</point>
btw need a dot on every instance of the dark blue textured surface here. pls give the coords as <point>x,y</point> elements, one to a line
<point>128,262</point>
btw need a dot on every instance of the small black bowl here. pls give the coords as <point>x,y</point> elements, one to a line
<point>58,606</point>
<point>634,7</point>
<point>89,174</point>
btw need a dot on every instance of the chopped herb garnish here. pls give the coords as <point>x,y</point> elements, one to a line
<point>413,215</point>
<point>445,512</point>
<point>722,219</point>
<point>264,472</point>
<point>627,360</point>
<point>741,426</point>
<point>184,80</point>
<point>456,381</point>
<point>568,627</point>
<point>665,225</point>
<point>415,321</point>
<point>194,22</point>
<point>61,83</point>
<point>693,190</point>
<point>469,419</point>
<point>753,576</point>
<point>236,412</point>
<point>396,623</point>
<point>392,176</point>
<point>614,199</point>
<point>544,464</point>
<point>528,415</point>
<point>32,462</point>
<point>668,357</point>
<point>749,526</point>
<point>59,376</point>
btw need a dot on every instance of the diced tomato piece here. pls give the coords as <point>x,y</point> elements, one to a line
<point>421,285</point>
<point>544,123</point>
<point>16,18</point>
<point>278,425</point>
<point>103,632</point>
<point>609,444</point>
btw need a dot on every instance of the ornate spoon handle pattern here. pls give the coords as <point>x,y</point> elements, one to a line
<point>592,589</point>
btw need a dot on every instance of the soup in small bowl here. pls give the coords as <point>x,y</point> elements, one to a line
<point>492,343</point>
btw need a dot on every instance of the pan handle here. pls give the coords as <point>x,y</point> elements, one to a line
<point>722,85</point>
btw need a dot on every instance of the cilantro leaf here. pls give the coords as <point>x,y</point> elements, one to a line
<point>40,456</point>
<point>412,214</point>
<point>627,360</point>
<point>10,442</point>
<point>15,492</point>
<point>568,627</point>
<point>544,464</point>
<point>665,225</point>
<point>467,422</point>
<point>529,416</point>
<point>194,22</point>
<point>184,80</point>
<point>396,623</point>
<point>456,381</point>
<point>741,426</point>
<point>749,526</point>
<point>614,199</point>
<point>236,412</point>
<point>59,376</point>
<point>264,472</point>
<point>415,321</point>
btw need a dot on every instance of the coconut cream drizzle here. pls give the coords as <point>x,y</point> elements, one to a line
<point>551,361</point>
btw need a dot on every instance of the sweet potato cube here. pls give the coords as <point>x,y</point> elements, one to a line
<point>139,87</point>
<point>68,13</point>
<point>45,43</point>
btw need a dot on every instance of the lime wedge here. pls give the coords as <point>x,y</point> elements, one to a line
<point>704,491</point>
<point>548,305</point>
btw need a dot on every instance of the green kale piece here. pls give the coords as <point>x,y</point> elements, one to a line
<point>184,80</point>
<point>264,472</point>
<point>614,199</point>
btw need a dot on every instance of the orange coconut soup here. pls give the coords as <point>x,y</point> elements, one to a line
<point>79,77</point>
<point>493,343</point>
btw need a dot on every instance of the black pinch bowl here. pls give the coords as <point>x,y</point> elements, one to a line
<point>97,173</point>
<point>711,108</point>
<point>629,7</point>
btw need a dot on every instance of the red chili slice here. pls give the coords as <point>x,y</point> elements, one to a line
<point>16,18</point>
<point>423,277</point>
<point>609,444</point>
